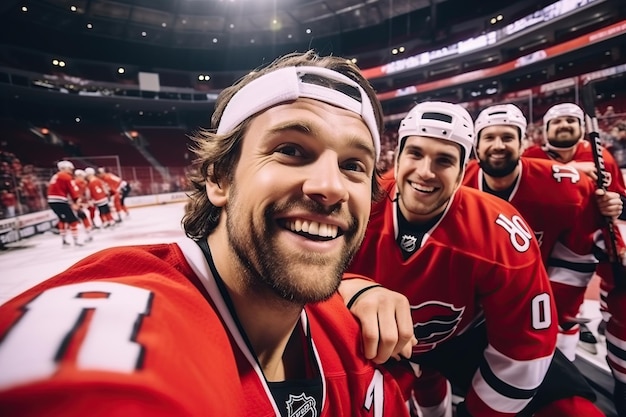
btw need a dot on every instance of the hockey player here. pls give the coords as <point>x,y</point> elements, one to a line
<point>83,191</point>
<point>99,197</point>
<point>63,199</point>
<point>562,211</point>
<point>117,187</point>
<point>244,318</point>
<point>564,129</point>
<point>479,296</point>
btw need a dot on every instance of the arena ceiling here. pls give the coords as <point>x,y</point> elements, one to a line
<point>345,27</point>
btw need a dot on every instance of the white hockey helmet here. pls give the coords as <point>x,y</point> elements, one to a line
<point>500,114</point>
<point>440,120</point>
<point>79,173</point>
<point>90,171</point>
<point>563,110</point>
<point>65,166</point>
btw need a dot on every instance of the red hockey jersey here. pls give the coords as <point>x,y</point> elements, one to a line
<point>558,203</point>
<point>62,188</point>
<point>613,182</point>
<point>97,191</point>
<point>479,261</point>
<point>144,331</point>
<point>584,153</point>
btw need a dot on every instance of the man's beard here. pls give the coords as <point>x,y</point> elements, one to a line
<point>310,278</point>
<point>498,171</point>
<point>563,144</point>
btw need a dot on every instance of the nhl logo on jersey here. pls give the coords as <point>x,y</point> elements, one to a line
<point>301,406</point>
<point>408,243</point>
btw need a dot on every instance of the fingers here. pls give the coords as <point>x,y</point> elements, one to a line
<point>609,203</point>
<point>386,325</point>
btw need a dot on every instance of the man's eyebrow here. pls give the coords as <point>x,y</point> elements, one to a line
<point>439,154</point>
<point>296,125</point>
<point>308,129</point>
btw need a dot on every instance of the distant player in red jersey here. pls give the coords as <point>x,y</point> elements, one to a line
<point>99,198</point>
<point>63,198</point>
<point>244,318</point>
<point>117,187</point>
<point>479,296</point>
<point>83,190</point>
<point>564,129</point>
<point>557,202</point>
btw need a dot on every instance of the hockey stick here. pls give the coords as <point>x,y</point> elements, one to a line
<point>588,101</point>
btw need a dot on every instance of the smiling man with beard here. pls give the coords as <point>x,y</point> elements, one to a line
<point>556,200</point>
<point>243,318</point>
<point>564,130</point>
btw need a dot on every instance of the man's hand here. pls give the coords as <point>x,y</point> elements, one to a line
<point>609,203</point>
<point>385,317</point>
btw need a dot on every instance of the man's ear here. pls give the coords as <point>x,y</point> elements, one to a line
<point>216,192</point>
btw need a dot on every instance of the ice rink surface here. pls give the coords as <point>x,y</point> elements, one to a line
<point>30,261</point>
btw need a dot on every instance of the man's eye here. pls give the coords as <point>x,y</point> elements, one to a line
<point>354,166</point>
<point>291,150</point>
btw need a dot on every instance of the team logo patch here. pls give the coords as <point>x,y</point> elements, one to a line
<point>301,406</point>
<point>433,323</point>
<point>408,243</point>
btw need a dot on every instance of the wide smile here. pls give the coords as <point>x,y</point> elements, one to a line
<point>423,188</point>
<point>312,229</point>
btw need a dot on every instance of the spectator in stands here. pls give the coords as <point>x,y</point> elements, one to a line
<point>618,145</point>
<point>9,203</point>
<point>31,197</point>
<point>7,179</point>
<point>609,115</point>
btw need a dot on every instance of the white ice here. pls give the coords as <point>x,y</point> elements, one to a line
<point>32,260</point>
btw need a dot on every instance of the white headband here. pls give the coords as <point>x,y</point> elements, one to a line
<point>286,84</point>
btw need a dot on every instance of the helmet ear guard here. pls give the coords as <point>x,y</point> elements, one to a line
<point>501,114</point>
<point>439,120</point>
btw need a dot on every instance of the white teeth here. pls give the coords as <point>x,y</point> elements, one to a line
<point>424,189</point>
<point>312,228</point>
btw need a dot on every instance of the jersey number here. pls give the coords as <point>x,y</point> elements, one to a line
<point>375,394</point>
<point>541,317</point>
<point>559,172</point>
<point>519,232</point>
<point>33,347</point>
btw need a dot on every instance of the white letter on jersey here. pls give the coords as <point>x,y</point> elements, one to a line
<point>375,394</point>
<point>519,231</point>
<point>32,347</point>
<point>564,171</point>
<point>541,312</point>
